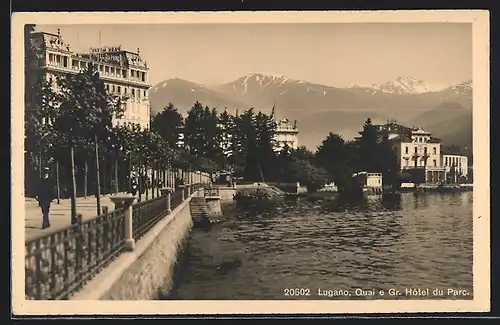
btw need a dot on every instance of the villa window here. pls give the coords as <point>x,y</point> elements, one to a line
<point>133,92</point>
<point>416,149</point>
<point>119,89</point>
<point>434,150</point>
<point>425,150</point>
<point>144,93</point>
<point>406,149</point>
<point>435,162</point>
<point>113,88</point>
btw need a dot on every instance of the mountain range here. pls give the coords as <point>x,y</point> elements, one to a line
<point>444,110</point>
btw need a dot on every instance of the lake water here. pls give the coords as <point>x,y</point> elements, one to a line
<point>332,249</point>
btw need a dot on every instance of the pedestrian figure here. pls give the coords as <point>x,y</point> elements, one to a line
<point>45,196</point>
<point>133,183</point>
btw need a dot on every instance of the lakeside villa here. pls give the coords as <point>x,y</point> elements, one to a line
<point>421,155</point>
<point>287,134</point>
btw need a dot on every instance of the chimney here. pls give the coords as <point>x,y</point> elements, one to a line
<point>58,32</point>
<point>138,51</point>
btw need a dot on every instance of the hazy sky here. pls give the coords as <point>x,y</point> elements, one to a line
<point>333,54</point>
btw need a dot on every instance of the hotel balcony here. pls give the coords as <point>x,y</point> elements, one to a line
<point>115,78</point>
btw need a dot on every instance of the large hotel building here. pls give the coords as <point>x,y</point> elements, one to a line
<point>417,151</point>
<point>123,72</point>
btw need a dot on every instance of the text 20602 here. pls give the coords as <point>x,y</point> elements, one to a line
<point>297,292</point>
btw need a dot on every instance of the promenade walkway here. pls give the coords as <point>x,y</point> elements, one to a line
<point>60,214</point>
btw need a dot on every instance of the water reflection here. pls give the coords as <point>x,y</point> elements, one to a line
<point>397,240</point>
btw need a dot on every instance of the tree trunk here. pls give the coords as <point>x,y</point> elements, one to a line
<point>73,186</point>
<point>104,178</point>
<point>58,191</point>
<point>152,182</point>
<point>40,166</point>
<point>129,185</point>
<point>116,175</point>
<point>141,179</point>
<point>98,182</point>
<point>85,179</point>
<point>147,184</point>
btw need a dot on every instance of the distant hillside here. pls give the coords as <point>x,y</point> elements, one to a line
<point>450,122</point>
<point>440,115</point>
<point>183,94</point>
<point>320,109</point>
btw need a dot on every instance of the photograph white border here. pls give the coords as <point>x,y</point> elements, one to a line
<point>481,195</point>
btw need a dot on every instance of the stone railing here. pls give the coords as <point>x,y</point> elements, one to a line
<point>59,263</point>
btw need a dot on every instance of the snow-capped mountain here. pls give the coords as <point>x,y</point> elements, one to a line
<point>464,88</point>
<point>318,108</point>
<point>183,94</point>
<point>260,80</point>
<point>405,85</point>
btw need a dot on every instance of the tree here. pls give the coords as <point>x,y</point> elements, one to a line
<point>264,141</point>
<point>387,164</point>
<point>306,173</point>
<point>303,153</point>
<point>225,137</point>
<point>331,154</point>
<point>193,130</point>
<point>84,116</point>
<point>368,146</point>
<point>168,124</point>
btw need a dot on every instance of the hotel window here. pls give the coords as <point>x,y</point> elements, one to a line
<point>106,69</point>
<point>406,149</point>
<point>58,59</point>
<point>435,162</point>
<point>138,93</point>
<point>434,150</point>
<point>416,149</point>
<point>143,76</point>
<point>119,89</point>
<point>51,57</point>
<point>107,87</point>
<point>133,92</point>
<point>101,68</point>
<point>74,64</point>
<point>125,90</point>
<point>65,61</point>
<point>124,73</point>
<point>425,150</point>
<point>113,88</point>
<point>144,93</point>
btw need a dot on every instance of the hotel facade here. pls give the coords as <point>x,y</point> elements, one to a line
<point>123,72</point>
<point>418,152</point>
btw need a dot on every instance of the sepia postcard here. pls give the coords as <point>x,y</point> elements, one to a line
<point>250,162</point>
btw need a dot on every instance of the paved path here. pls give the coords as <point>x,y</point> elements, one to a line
<point>60,214</point>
